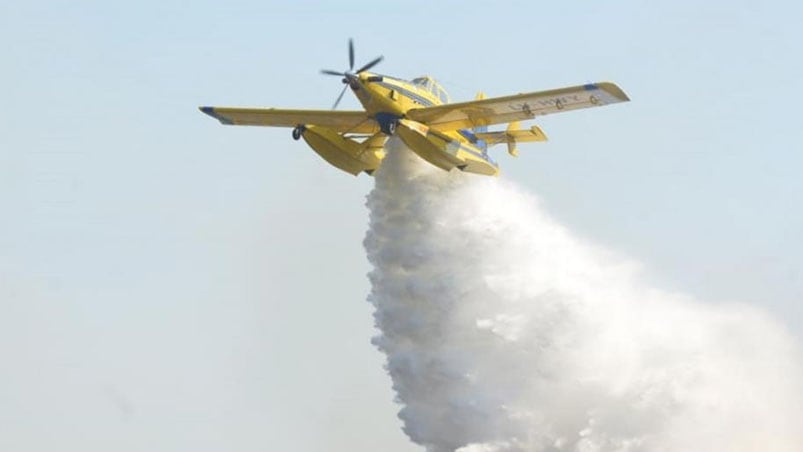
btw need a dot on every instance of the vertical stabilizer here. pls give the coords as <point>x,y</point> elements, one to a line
<point>511,144</point>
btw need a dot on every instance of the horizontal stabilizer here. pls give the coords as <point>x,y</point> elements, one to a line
<point>533,134</point>
<point>511,136</point>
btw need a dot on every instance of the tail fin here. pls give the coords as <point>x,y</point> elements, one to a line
<point>511,145</point>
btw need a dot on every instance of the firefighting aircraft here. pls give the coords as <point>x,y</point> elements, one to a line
<point>447,135</point>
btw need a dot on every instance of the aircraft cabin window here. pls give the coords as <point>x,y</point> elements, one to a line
<point>443,97</point>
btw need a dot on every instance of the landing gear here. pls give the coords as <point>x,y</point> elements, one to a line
<point>387,123</point>
<point>298,131</point>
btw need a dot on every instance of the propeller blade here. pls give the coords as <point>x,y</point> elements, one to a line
<point>370,65</point>
<point>334,107</point>
<point>351,54</point>
<point>329,72</point>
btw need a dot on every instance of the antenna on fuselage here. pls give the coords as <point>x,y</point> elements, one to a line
<point>350,75</point>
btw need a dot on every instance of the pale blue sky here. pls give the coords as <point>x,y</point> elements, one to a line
<point>168,283</point>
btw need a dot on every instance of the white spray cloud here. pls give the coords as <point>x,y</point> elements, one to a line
<point>504,332</point>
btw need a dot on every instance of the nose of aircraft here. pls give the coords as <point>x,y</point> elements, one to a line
<point>367,77</point>
<point>355,80</point>
<point>352,79</point>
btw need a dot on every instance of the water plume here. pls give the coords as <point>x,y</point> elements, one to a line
<point>503,331</point>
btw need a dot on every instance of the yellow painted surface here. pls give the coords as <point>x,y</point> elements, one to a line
<point>438,131</point>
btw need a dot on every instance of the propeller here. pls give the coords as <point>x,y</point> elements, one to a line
<point>349,76</point>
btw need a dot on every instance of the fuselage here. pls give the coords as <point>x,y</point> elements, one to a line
<point>416,112</point>
<point>388,99</point>
<point>384,94</point>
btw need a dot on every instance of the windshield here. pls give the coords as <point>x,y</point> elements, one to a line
<point>433,87</point>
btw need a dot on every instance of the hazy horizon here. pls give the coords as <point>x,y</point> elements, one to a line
<point>169,282</point>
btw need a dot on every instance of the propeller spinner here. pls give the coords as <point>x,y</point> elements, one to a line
<point>350,75</point>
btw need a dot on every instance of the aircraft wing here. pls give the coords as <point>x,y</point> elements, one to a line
<point>340,121</point>
<point>499,110</point>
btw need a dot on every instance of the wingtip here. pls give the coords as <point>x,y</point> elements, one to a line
<point>614,90</point>
<point>211,112</point>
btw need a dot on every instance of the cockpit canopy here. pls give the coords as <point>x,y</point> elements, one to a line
<point>429,84</point>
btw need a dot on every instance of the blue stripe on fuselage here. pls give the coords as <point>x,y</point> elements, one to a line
<point>406,92</point>
<point>467,134</point>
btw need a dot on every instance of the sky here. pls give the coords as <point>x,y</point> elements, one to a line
<point>167,282</point>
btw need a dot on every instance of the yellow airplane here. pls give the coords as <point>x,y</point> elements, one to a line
<point>447,135</point>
